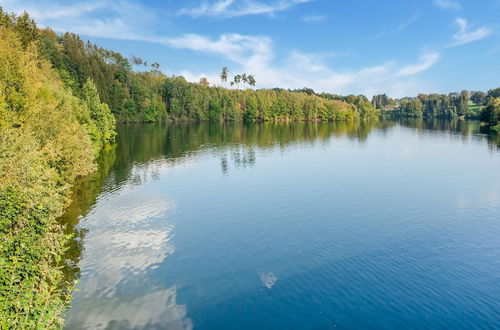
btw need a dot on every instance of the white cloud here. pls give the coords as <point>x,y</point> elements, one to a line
<point>402,26</point>
<point>127,238</point>
<point>122,20</point>
<point>314,18</point>
<point>494,50</point>
<point>255,55</point>
<point>448,4</point>
<point>464,35</point>
<point>232,8</point>
<point>302,60</point>
<point>149,310</point>
<point>426,61</point>
<point>51,12</point>
<point>237,48</point>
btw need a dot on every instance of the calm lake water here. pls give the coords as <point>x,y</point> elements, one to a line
<point>289,226</point>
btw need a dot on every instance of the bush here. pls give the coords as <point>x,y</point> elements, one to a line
<point>48,137</point>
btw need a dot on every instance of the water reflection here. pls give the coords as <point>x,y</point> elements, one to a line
<point>85,192</point>
<point>463,128</point>
<point>126,239</point>
<point>122,223</point>
<point>156,145</point>
<point>155,310</point>
<point>235,143</point>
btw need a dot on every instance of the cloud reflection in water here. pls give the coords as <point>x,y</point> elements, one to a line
<point>128,236</point>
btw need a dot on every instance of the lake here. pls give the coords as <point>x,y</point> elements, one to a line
<point>393,224</point>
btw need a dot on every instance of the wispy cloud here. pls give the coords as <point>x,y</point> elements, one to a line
<point>448,4</point>
<point>254,54</point>
<point>122,19</point>
<point>314,18</point>
<point>47,12</point>
<point>465,35</point>
<point>425,62</point>
<point>494,50</point>
<point>402,26</point>
<point>240,49</point>
<point>232,8</point>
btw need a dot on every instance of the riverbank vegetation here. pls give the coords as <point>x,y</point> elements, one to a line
<point>491,114</point>
<point>151,96</point>
<point>469,105</point>
<point>48,137</point>
<point>187,100</point>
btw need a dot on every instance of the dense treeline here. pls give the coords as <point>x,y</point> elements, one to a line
<point>195,101</point>
<point>48,137</point>
<point>432,105</point>
<point>132,97</point>
<point>474,105</point>
<point>491,113</point>
<point>151,96</point>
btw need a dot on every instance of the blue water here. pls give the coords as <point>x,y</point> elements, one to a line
<point>290,226</point>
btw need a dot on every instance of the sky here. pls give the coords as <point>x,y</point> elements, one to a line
<point>397,47</point>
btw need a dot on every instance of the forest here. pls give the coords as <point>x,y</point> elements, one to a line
<point>469,105</point>
<point>150,96</point>
<point>60,100</point>
<point>48,137</point>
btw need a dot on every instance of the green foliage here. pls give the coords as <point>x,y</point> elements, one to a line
<point>31,289</point>
<point>48,137</point>
<point>100,116</point>
<point>493,93</point>
<point>241,78</point>
<point>383,102</point>
<point>132,97</point>
<point>194,101</point>
<point>491,113</point>
<point>478,97</point>
<point>146,96</point>
<point>412,108</point>
<point>474,109</point>
<point>427,105</point>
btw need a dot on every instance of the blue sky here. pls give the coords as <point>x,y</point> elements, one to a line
<point>357,46</point>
